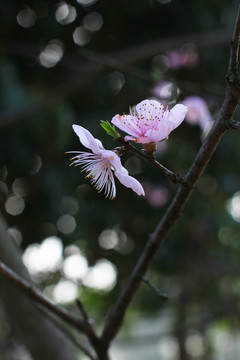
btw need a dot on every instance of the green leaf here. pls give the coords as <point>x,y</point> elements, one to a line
<point>110,130</point>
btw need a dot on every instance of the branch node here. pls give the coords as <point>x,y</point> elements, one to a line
<point>232,125</point>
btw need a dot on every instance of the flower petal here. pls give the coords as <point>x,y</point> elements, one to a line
<point>121,173</point>
<point>87,139</point>
<point>127,123</point>
<point>139,140</point>
<point>160,133</point>
<point>149,109</point>
<point>130,182</point>
<point>176,116</point>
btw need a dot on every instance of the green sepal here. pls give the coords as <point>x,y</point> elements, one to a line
<point>110,130</point>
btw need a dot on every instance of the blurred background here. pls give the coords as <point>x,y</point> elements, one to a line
<point>82,61</point>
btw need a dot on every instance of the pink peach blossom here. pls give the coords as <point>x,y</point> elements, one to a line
<point>150,122</point>
<point>100,165</point>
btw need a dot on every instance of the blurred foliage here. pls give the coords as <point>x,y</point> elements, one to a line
<point>198,266</point>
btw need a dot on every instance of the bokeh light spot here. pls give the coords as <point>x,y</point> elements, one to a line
<point>168,348</point>
<point>66,224</point>
<point>45,257</point>
<point>81,36</point>
<point>52,54</point>
<point>65,13</point>
<point>195,345</point>
<point>102,276</point>
<point>26,17</point>
<point>20,187</point>
<point>86,2</point>
<point>75,267</point>
<point>233,206</point>
<point>93,21</point>
<point>108,239</point>
<point>65,291</point>
<point>15,205</point>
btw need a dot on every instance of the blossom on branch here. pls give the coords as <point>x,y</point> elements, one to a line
<point>100,165</point>
<point>149,121</point>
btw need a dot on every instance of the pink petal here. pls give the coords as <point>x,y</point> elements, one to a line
<point>127,123</point>
<point>132,138</point>
<point>160,133</point>
<point>139,140</point>
<point>176,116</point>
<point>130,182</point>
<point>148,108</point>
<point>87,139</point>
<point>113,159</point>
<point>121,173</point>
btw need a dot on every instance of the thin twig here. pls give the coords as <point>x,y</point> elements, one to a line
<point>159,294</point>
<point>205,153</point>
<point>231,124</point>
<point>86,318</point>
<point>175,178</point>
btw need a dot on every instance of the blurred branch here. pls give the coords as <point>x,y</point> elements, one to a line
<point>132,54</point>
<point>231,101</point>
<point>118,60</point>
<point>27,287</point>
<point>150,49</point>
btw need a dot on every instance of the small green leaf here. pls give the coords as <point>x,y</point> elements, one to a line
<point>111,130</point>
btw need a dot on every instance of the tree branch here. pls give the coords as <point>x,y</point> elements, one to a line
<point>234,51</point>
<point>175,178</point>
<point>70,318</point>
<point>173,212</point>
